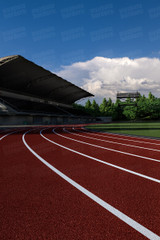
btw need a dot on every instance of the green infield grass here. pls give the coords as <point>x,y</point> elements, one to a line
<point>151,129</point>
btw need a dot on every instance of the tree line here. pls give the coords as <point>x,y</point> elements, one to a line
<point>145,108</point>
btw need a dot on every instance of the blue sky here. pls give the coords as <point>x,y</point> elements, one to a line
<point>60,33</point>
<point>78,30</point>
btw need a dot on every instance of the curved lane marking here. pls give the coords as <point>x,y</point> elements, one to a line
<point>7,135</point>
<point>128,145</point>
<point>98,160</point>
<point>105,135</point>
<point>113,150</point>
<point>132,223</point>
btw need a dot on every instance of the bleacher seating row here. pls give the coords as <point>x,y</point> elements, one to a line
<point>11,105</point>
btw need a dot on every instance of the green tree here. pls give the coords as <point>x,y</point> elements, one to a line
<point>95,108</point>
<point>109,102</point>
<point>103,106</point>
<point>144,108</point>
<point>79,107</point>
<point>141,108</point>
<point>88,107</point>
<point>128,100</point>
<point>88,104</point>
<point>130,112</point>
<point>117,110</point>
<point>143,98</point>
<point>151,97</point>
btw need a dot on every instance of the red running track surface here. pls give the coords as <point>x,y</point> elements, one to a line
<point>73,196</point>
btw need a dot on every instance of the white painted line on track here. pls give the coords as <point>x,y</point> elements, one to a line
<point>107,133</point>
<point>132,223</point>
<point>123,144</point>
<point>7,135</point>
<point>98,160</point>
<point>113,150</point>
<point>19,130</point>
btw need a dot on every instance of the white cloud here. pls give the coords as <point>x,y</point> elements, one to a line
<point>105,76</point>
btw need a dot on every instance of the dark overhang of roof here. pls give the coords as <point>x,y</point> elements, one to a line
<point>21,76</point>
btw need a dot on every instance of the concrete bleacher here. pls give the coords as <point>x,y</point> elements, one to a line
<point>5,108</point>
<point>30,94</point>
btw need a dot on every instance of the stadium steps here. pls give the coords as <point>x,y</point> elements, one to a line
<point>6,108</point>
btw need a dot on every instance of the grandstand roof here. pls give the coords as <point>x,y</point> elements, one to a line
<point>21,76</point>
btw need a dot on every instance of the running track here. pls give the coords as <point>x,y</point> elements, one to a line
<point>60,183</point>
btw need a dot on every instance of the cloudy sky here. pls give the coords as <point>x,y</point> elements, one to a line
<point>103,46</point>
<point>105,76</point>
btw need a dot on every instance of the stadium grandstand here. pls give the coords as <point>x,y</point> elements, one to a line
<point>30,94</point>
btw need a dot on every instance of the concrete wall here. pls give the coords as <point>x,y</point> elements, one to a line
<point>15,120</point>
<point>104,119</point>
<point>48,120</point>
<point>41,120</point>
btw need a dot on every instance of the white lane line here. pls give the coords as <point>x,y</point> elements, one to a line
<point>125,139</point>
<point>128,145</point>
<point>7,135</point>
<point>113,150</point>
<point>132,223</point>
<point>105,134</point>
<point>134,137</point>
<point>13,132</point>
<point>103,162</point>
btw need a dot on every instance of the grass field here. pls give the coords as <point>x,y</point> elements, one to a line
<point>151,129</point>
